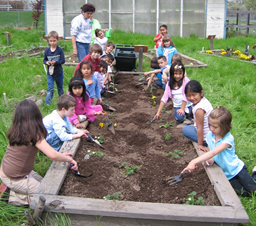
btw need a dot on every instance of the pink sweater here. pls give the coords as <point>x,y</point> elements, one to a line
<point>84,108</point>
<point>168,91</point>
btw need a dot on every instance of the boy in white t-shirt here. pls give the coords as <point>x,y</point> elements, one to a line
<point>101,76</point>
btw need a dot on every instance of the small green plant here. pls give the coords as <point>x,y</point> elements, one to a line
<point>176,156</point>
<point>168,136</point>
<point>166,125</point>
<point>112,86</point>
<point>112,197</point>
<point>152,103</point>
<point>178,152</point>
<point>192,201</point>
<point>112,114</point>
<point>94,154</point>
<point>169,153</point>
<point>100,139</point>
<point>129,170</point>
<point>164,110</point>
<point>151,88</point>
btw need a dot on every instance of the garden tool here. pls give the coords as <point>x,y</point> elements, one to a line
<point>110,125</point>
<point>154,119</point>
<point>80,175</point>
<point>110,92</point>
<point>107,107</point>
<point>108,33</point>
<point>95,141</point>
<point>143,83</point>
<point>175,179</point>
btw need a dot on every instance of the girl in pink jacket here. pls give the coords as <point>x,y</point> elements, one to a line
<point>175,89</point>
<point>83,109</point>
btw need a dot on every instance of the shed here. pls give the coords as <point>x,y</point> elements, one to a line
<point>183,17</point>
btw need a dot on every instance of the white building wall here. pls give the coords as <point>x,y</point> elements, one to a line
<point>216,17</point>
<point>54,16</point>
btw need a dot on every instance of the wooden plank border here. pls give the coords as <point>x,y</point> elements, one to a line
<point>231,211</point>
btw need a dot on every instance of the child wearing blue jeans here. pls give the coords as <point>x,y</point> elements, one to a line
<point>58,126</point>
<point>54,58</point>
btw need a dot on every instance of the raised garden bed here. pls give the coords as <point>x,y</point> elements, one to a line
<point>21,53</point>
<point>188,62</point>
<point>145,199</point>
<point>230,54</point>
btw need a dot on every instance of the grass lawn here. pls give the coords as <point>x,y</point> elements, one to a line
<point>226,82</point>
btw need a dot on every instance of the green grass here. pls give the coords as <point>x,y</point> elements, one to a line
<point>226,82</point>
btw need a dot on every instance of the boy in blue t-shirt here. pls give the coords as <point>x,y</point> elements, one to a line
<point>54,58</point>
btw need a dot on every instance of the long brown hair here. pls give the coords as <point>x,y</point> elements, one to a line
<point>27,125</point>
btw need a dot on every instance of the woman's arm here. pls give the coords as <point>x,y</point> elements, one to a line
<point>200,128</point>
<point>73,38</point>
<point>206,156</point>
<point>44,147</point>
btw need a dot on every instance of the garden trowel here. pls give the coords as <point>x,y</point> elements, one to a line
<point>95,141</point>
<point>80,175</point>
<point>107,107</point>
<point>110,125</point>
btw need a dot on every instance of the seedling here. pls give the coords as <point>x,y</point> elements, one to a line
<point>178,152</point>
<point>168,136</point>
<point>98,153</point>
<point>100,139</point>
<point>112,114</point>
<point>129,170</point>
<point>176,156</point>
<point>166,125</point>
<point>152,103</point>
<point>164,110</point>
<point>151,88</point>
<point>112,197</point>
<point>192,201</point>
<point>169,153</point>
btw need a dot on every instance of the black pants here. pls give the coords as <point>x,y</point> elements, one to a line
<point>243,183</point>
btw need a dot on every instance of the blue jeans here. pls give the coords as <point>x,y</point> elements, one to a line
<point>50,89</point>
<point>102,91</point>
<point>82,50</point>
<point>159,83</point>
<point>181,118</point>
<point>191,133</point>
<point>243,183</point>
<point>54,141</point>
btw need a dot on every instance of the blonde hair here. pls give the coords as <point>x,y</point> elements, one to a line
<point>53,34</point>
<point>223,117</point>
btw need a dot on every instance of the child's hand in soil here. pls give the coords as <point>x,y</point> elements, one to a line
<point>80,126</point>
<point>180,111</point>
<point>89,82</point>
<point>190,167</point>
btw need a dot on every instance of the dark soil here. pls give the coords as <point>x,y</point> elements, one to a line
<point>139,144</point>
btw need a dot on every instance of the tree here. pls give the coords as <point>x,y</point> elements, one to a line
<point>37,7</point>
<point>250,4</point>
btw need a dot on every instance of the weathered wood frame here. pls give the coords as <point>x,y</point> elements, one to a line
<point>230,213</point>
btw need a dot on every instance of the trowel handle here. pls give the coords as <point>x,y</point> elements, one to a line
<point>71,165</point>
<point>89,136</point>
<point>108,119</point>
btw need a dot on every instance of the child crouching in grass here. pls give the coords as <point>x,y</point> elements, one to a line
<point>58,126</point>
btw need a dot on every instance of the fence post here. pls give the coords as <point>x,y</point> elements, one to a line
<point>237,16</point>
<point>248,21</point>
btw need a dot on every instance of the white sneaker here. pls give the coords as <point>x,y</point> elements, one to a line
<point>254,169</point>
<point>81,118</point>
<point>51,70</point>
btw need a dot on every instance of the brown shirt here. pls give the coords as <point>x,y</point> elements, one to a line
<point>18,161</point>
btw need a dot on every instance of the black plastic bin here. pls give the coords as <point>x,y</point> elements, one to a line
<point>125,57</point>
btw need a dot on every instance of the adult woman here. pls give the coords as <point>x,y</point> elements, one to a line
<point>81,31</point>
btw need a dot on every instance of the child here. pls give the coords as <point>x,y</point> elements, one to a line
<point>162,32</point>
<point>167,49</point>
<point>58,126</point>
<point>93,57</point>
<point>222,151</point>
<point>91,83</point>
<point>100,39</point>
<point>26,136</point>
<point>162,62</point>
<point>176,89</point>
<point>101,76</point>
<point>201,110</point>
<point>54,58</point>
<point>109,59</point>
<point>108,50</point>
<point>83,107</point>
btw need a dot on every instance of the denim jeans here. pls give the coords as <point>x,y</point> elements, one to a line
<point>54,141</point>
<point>50,88</point>
<point>243,183</point>
<point>102,91</point>
<point>82,50</point>
<point>159,83</point>
<point>191,133</point>
<point>181,118</point>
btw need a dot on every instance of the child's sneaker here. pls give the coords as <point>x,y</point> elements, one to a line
<point>51,70</point>
<point>81,118</point>
<point>254,170</point>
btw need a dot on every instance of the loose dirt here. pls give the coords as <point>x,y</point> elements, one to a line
<point>137,143</point>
